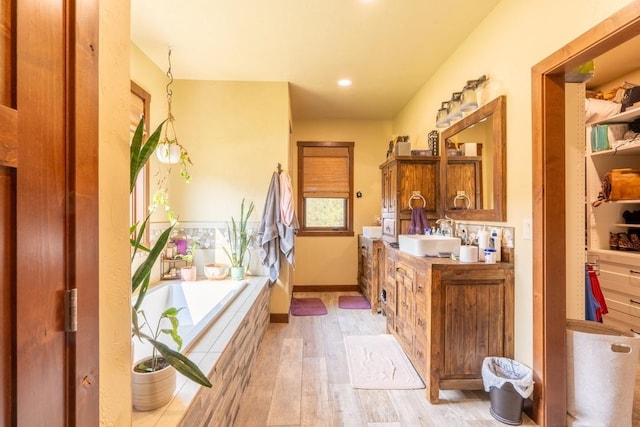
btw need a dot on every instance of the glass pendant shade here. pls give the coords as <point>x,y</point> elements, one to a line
<point>454,107</point>
<point>441,118</point>
<point>469,101</point>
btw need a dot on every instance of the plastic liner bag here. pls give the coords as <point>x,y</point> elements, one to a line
<point>496,371</point>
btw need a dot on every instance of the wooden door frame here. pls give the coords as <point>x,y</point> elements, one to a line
<point>56,248</point>
<point>549,195</point>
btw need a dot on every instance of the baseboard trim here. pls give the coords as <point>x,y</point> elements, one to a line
<point>279,318</point>
<point>326,288</point>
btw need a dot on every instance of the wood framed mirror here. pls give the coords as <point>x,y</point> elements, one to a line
<point>473,168</point>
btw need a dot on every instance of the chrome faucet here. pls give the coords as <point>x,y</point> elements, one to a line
<point>449,230</point>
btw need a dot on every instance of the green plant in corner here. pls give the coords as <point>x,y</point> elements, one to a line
<point>139,155</point>
<point>238,237</point>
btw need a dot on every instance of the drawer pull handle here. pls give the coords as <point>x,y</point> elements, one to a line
<point>634,271</point>
<point>634,301</point>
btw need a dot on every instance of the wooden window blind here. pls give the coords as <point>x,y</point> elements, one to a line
<point>325,188</point>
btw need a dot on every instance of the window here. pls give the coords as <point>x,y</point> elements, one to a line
<point>325,188</point>
<point>139,202</point>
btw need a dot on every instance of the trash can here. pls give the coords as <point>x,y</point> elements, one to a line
<point>508,383</point>
<point>601,373</point>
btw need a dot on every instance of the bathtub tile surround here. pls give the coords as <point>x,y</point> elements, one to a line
<point>212,236</point>
<point>226,352</point>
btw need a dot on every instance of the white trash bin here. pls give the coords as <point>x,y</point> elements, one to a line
<point>601,374</point>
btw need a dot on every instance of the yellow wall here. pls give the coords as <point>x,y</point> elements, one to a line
<point>114,269</point>
<point>513,38</point>
<point>333,260</point>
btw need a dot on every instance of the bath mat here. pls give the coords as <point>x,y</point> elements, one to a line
<point>376,362</point>
<point>307,307</point>
<point>353,302</point>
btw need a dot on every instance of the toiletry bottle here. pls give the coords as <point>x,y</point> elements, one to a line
<point>483,242</point>
<point>496,243</point>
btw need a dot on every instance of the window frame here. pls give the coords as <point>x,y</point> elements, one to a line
<point>139,198</point>
<point>347,230</point>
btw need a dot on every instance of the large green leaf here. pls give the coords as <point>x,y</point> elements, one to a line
<point>183,365</point>
<point>139,152</point>
<point>144,270</point>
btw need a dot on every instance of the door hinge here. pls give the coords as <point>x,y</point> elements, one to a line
<point>71,310</point>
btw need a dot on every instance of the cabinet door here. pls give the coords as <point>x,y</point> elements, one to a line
<point>389,188</point>
<point>422,177</point>
<point>474,324</point>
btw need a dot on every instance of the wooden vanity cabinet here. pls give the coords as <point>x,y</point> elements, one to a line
<point>401,177</point>
<point>370,270</point>
<point>449,316</point>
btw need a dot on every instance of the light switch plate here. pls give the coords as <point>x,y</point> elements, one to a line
<point>527,232</point>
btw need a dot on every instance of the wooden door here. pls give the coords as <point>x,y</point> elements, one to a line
<point>48,214</point>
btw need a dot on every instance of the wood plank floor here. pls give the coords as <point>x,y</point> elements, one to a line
<point>301,378</point>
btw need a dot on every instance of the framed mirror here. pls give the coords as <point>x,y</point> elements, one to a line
<point>473,168</point>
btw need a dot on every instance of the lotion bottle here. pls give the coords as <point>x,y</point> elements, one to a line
<point>483,242</point>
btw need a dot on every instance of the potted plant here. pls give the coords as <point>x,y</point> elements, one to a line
<point>238,242</point>
<point>170,151</point>
<point>155,366</point>
<point>189,271</point>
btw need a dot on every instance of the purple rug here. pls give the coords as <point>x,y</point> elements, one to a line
<point>307,307</point>
<point>353,302</point>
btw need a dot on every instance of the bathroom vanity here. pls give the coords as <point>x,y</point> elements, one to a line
<point>448,316</point>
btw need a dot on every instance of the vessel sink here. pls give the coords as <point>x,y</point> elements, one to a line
<point>372,232</point>
<point>428,245</point>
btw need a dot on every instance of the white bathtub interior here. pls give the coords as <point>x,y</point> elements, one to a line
<point>201,301</point>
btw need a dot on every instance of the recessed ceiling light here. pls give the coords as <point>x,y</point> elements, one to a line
<point>344,82</point>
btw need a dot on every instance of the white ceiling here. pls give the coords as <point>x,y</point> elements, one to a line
<point>389,48</point>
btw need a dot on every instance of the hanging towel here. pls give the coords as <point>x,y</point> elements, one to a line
<point>288,226</point>
<point>591,307</point>
<point>286,199</point>
<point>269,232</point>
<point>596,291</point>
<point>418,221</point>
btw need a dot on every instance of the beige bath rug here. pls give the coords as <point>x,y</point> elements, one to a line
<point>377,362</point>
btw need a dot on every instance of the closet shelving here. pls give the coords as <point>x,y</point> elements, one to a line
<point>619,270</point>
<point>607,218</point>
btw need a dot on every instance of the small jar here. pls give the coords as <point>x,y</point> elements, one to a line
<point>490,256</point>
<point>170,251</point>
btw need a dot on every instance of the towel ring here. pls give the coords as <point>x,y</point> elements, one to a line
<point>416,195</point>
<point>461,197</point>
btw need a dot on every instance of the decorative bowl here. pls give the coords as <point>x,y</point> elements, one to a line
<point>216,271</point>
